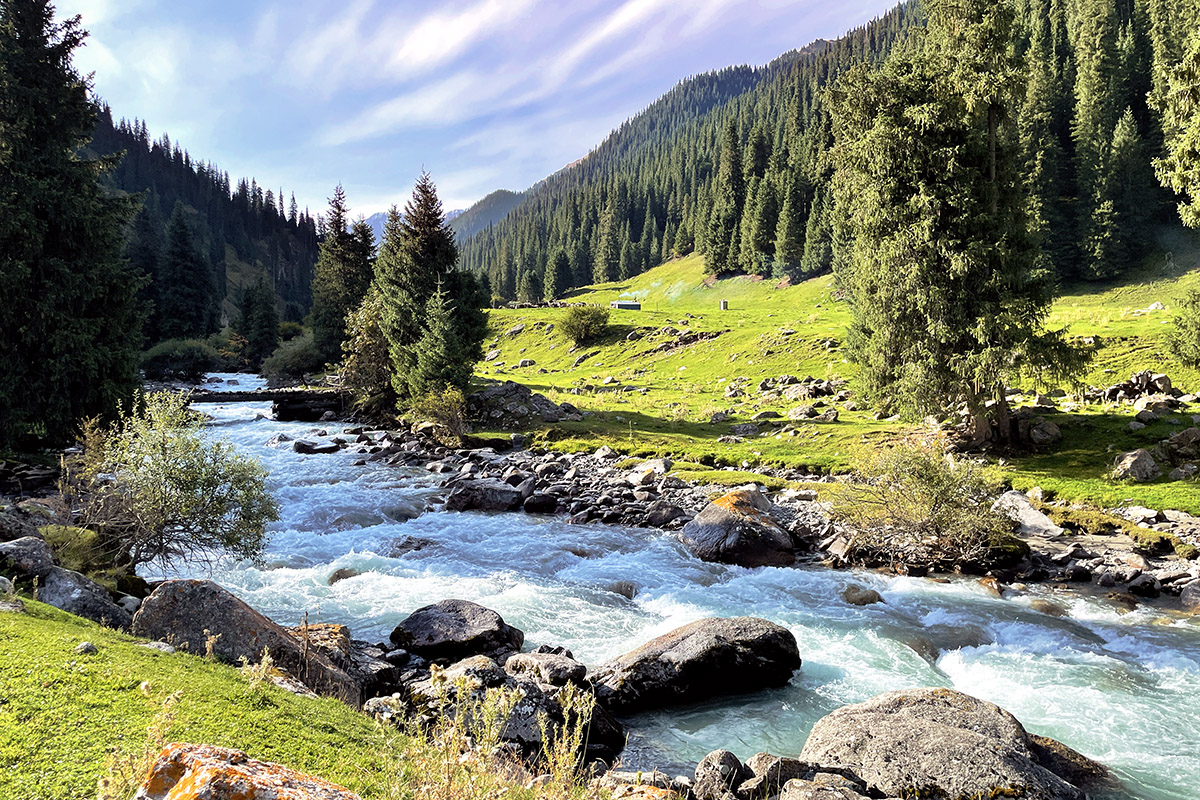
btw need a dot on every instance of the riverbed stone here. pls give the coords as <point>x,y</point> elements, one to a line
<point>718,775</point>
<point>456,629</point>
<point>485,494</point>
<point>937,742</point>
<point>1189,596</point>
<point>553,669</point>
<point>706,658</point>
<point>857,595</point>
<point>1021,510</point>
<point>187,613</point>
<point>203,772</point>
<point>737,528</point>
<point>83,597</point>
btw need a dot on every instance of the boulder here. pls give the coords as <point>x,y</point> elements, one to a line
<point>743,429</point>
<point>15,526</point>
<point>706,658</point>
<point>187,613</point>
<point>536,701</point>
<point>484,494</point>
<point>939,743</point>
<point>308,408</point>
<point>1044,433</point>
<point>823,786</point>
<point>662,513</point>
<point>1136,465</point>
<point>1030,522</point>
<point>82,597</point>
<point>307,448</point>
<point>1189,597</point>
<point>203,772</point>
<point>455,629</point>
<point>737,528</point>
<point>718,775</point>
<point>553,669</point>
<point>27,556</point>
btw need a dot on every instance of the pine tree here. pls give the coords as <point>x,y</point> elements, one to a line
<point>608,249</point>
<point>341,278</point>
<point>187,299</point>
<point>530,290</point>
<point>723,241</point>
<point>1179,168</point>
<point>438,359</point>
<point>818,235</point>
<point>70,320</point>
<point>947,298</point>
<point>144,251</point>
<point>415,263</point>
<point>789,232</point>
<point>258,323</point>
<point>558,276</point>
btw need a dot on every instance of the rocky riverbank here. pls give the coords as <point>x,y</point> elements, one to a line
<point>751,528</point>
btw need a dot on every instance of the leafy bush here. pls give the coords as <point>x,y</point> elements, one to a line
<point>447,410</point>
<point>918,507</point>
<point>584,324</point>
<point>290,330</point>
<point>293,360</point>
<point>179,359</point>
<point>160,488</point>
<point>1184,340</point>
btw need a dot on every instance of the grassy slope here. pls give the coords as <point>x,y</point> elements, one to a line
<point>61,713</point>
<point>687,386</point>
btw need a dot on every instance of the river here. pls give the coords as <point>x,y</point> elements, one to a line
<point>1121,688</point>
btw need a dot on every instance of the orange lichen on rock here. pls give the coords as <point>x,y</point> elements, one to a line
<point>203,772</point>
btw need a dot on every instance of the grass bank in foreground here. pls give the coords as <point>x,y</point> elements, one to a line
<point>648,398</point>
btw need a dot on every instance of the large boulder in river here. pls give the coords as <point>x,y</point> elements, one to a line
<point>82,597</point>
<point>942,743</point>
<point>455,629</point>
<point>737,528</point>
<point>190,613</point>
<point>484,494</point>
<point>706,658</point>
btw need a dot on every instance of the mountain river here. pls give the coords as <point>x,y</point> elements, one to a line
<point>1123,688</point>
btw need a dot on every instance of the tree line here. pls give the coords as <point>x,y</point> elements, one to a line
<point>737,164</point>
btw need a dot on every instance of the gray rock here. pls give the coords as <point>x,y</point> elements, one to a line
<point>744,429</point>
<point>939,742</point>
<point>11,605</point>
<point>662,513</point>
<point>187,613</point>
<point>160,647</point>
<point>456,629</point>
<point>718,775</point>
<point>1189,596</point>
<point>15,526</point>
<point>307,448</point>
<point>707,658</point>
<point>737,528</point>
<point>82,597</point>
<point>484,494</point>
<point>823,786</point>
<point>1136,465</point>
<point>1045,433</point>
<point>29,555</point>
<point>1145,585</point>
<point>549,668</point>
<point>6,586</point>
<point>1031,522</point>
<point>86,649</point>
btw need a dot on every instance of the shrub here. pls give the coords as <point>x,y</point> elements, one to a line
<point>446,409</point>
<point>919,507</point>
<point>179,359</point>
<point>160,488</point>
<point>293,360</point>
<point>584,324</point>
<point>290,330</point>
<point>1184,340</point>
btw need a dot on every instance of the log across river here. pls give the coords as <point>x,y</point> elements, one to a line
<point>1119,687</point>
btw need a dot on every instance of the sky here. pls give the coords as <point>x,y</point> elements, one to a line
<point>484,94</point>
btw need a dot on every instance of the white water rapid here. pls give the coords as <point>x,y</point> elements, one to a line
<point>1121,688</point>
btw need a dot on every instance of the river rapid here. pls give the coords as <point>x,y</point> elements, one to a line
<point>1121,688</point>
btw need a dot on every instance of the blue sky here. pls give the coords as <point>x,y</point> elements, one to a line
<point>485,94</point>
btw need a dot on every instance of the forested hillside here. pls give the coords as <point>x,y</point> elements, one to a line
<point>223,239</point>
<point>735,163</point>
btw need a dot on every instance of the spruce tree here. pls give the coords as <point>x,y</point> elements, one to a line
<point>789,232</point>
<point>70,320</point>
<point>723,241</point>
<point>818,234</point>
<point>258,323</point>
<point>608,248</point>
<point>340,279</point>
<point>144,251</point>
<point>1179,168</point>
<point>439,362</point>
<point>948,297</point>
<point>187,292</point>
<point>558,276</point>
